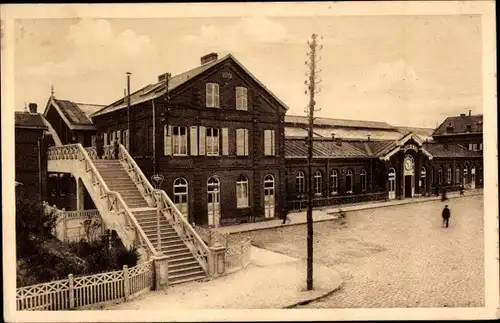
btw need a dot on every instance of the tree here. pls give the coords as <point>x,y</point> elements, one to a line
<point>34,225</point>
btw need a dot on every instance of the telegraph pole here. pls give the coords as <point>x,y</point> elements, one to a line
<point>311,83</point>
<point>129,135</point>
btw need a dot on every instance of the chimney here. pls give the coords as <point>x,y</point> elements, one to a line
<point>369,137</point>
<point>333,135</point>
<point>209,58</point>
<point>32,107</point>
<point>462,114</point>
<point>338,141</point>
<point>470,111</point>
<point>163,77</point>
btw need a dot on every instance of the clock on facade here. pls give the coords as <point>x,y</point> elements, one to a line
<point>408,164</point>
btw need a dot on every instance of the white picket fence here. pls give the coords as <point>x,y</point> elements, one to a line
<point>87,291</point>
<point>238,255</point>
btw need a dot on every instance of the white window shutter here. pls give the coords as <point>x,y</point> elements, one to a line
<point>119,135</point>
<point>238,99</point>
<point>209,87</point>
<point>167,143</point>
<point>93,139</point>
<point>239,142</point>
<point>225,142</point>
<point>273,143</point>
<point>201,141</point>
<point>194,140</point>
<point>267,142</point>
<point>245,142</point>
<point>216,95</point>
<point>245,99</point>
<point>105,139</point>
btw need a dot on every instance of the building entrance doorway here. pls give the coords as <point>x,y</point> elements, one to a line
<point>213,198</point>
<point>408,185</point>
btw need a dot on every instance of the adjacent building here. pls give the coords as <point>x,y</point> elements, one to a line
<point>465,130</point>
<point>31,140</point>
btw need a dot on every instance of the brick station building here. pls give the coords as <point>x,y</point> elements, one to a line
<point>229,153</point>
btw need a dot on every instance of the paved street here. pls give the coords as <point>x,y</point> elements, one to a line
<point>397,256</point>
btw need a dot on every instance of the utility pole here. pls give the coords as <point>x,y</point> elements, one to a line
<point>311,83</point>
<point>129,135</point>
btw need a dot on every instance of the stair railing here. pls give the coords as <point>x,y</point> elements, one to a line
<point>114,201</point>
<point>178,221</point>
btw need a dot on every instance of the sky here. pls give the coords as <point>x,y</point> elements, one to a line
<point>404,70</point>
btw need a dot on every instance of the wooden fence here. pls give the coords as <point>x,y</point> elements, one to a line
<point>86,291</point>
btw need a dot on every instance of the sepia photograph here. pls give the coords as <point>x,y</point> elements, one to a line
<point>250,161</point>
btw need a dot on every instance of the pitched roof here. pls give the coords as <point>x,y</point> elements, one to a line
<point>459,124</point>
<point>343,123</point>
<point>423,133</point>
<point>450,151</point>
<point>322,148</point>
<point>77,113</point>
<point>156,90</point>
<point>24,119</point>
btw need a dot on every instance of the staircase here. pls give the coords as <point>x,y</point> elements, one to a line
<point>129,205</point>
<point>182,265</point>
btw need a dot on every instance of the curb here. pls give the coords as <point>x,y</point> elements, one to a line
<point>317,298</point>
<point>358,209</point>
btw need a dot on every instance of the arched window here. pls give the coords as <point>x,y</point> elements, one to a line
<point>448,175</point>
<point>335,182</point>
<point>181,195</point>
<point>348,182</point>
<point>242,192</point>
<point>300,183</point>
<point>457,174</point>
<point>392,183</point>
<point>473,175</point>
<point>364,180</point>
<point>440,175</point>
<point>318,183</point>
<point>269,203</point>
<point>465,178</point>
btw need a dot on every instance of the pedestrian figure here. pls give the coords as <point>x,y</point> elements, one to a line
<point>446,215</point>
<point>116,148</point>
<point>443,197</point>
<point>462,190</point>
<point>286,218</point>
<point>99,145</point>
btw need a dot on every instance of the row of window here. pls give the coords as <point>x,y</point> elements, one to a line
<point>449,172</point>
<point>334,182</point>
<point>180,191</point>
<point>212,98</point>
<point>200,140</point>
<point>476,147</point>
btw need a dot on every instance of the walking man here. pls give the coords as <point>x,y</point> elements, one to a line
<point>285,218</point>
<point>446,215</point>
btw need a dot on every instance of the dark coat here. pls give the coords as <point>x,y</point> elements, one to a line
<point>446,213</point>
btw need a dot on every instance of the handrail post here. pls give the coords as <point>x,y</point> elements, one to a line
<point>158,235</point>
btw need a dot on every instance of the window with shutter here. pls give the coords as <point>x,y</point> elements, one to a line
<point>241,98</point>
<point>179,139</point>
<point>194,140</point>
<point>167,140</point>
<point>212,141</point>
<point>242,142</point>
<point>242,192</point>
<point>212,95</point>
<point>119,136</point>
<point>105,139</point>
<point>225,142</point>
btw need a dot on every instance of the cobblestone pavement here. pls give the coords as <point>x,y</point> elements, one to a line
<point>397,256</point>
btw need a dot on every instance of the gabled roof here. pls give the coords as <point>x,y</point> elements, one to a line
<point>27,120</point>
<point>459,124</point>
<point>297,148</point>
<point>341,123</point>
<point>156,90</point>
<point>75,115</point>
<point>450,151</point>
<point>423,133</point>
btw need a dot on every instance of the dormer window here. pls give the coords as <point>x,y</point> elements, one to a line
<point>212,95</point>
<point>469,128</point>
<point>241,98</point>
